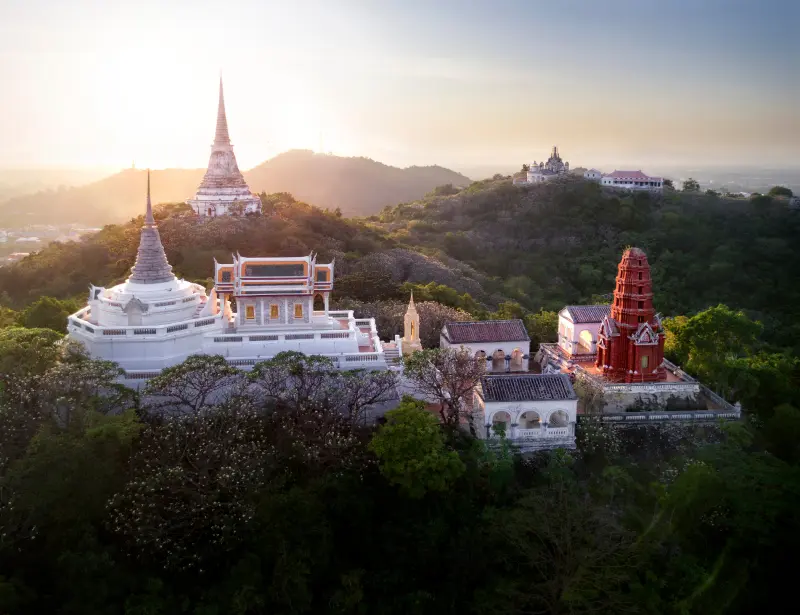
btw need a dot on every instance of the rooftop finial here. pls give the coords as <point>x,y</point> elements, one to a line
<point>221,136</point>
<point>148,216</point>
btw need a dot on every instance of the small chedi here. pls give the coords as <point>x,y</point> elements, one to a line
<point>223,190</point>
<point>619,350</point>
<point>154,320</point>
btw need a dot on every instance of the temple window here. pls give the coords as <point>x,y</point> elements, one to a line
<point>640,290</point>
<point>645,362</point>
<point>641,305</point>
<point>640,275</point>
<point>641,318</point>
<point>298,310</point>
<point>250,312</point>
<point>225,276</point>
<point>273,311</point>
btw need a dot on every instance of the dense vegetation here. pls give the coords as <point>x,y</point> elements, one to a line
<point>556,244</point>
<point>357,186</point>
<point>264,493</point>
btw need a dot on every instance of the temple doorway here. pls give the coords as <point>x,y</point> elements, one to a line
<point>585,342</point>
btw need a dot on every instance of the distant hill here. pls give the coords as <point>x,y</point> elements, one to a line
<point>359,186</point>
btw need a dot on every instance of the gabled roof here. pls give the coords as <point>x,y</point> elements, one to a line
<point>587,313</point>
<point>485,331</point>
<point>528,387</point>
<point>634,175</point>
<point>645,336</point>
<point>609,327</point>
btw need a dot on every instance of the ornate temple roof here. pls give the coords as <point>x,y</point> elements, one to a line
<point>587,313</point>
<point>528,387</point>
<point>151,265</point>
<point>486,331</point>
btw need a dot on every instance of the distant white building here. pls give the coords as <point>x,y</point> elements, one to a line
<point>578,326</point>
<point>632,180</point>
<point>545,171</point>
<point>593,174</point>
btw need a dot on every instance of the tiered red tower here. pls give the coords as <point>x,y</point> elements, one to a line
<point>630,346</point>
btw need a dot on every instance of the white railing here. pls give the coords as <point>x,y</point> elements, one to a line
<point>167,329</point>
<point>538,433</point>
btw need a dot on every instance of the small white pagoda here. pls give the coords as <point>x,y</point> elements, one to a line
<point>223,191</point>
<point>154,320</point>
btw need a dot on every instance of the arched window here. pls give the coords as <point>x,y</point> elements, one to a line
<point>517,360</point>
<point>530,420</point>
<point>559,418</point>
<point>498,361</point>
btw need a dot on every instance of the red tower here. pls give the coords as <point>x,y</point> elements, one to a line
<point>630,346</point>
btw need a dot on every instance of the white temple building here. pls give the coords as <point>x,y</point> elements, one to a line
<point>545,171</point>
<point>154,320</point>
<point>223,191</point>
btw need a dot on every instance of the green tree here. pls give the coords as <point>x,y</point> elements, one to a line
<point>412,453</point>
<point>691,185</point>
<point>47,313</point>
<point>780,191</point>
<point>542,327</point>
<point>708,342</point>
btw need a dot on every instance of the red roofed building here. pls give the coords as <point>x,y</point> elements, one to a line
<point>504,344</point>
<point>630,343</point>
<point>632,180</point>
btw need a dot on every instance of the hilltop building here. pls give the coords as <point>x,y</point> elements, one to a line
<point>534,411</point>
<point>619,348</point>
<point>631,180</point>
<point>630,342</point>
<point>504,344</point>
<point>154,320</point>
<point>223,191</point>
<point>544,171</point>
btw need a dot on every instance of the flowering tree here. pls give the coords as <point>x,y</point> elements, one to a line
<point>200,381</point>
<point>449,376</point>
<point>191,494</point>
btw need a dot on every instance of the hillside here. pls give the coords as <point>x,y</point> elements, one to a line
<point>291,228</point>
<point>358,186</point>
<point>555,244</point>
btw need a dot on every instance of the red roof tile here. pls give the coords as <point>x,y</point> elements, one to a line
<point>485,331</point>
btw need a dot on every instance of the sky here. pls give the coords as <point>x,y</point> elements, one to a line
<point>637,83</point>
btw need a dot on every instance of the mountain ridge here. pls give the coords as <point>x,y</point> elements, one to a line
<point>356,185</point>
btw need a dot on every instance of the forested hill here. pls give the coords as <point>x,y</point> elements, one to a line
<point>560,243</point>
<point>365,257</point>
<point>358,186</point>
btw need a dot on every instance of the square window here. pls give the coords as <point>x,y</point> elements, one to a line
<point>273,311</point>
<point>250,312</point>
<point>298,310</point>
<point>225,276</point>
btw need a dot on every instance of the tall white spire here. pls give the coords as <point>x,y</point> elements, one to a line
<point>221,136</point>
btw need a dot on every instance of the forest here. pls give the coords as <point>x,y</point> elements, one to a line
<point>276,497</point>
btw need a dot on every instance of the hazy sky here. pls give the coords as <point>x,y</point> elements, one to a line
<point>454,82</point>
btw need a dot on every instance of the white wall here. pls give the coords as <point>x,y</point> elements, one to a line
<point>569,333</point>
